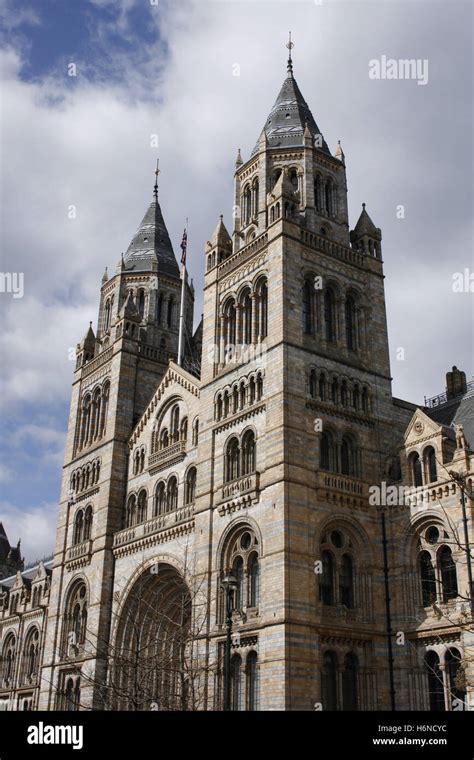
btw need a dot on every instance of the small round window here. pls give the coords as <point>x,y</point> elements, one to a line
<point>432,534</point>
<point>336,539</point>
<point>246,541</point>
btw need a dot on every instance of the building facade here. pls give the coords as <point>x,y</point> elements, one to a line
<point>275,454</point>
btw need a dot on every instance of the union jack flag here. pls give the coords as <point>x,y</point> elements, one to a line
<point>184,245</point>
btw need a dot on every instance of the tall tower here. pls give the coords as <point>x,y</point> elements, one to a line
<point>117,370</point>
<point>296,360</point>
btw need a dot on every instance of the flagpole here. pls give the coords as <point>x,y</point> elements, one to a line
<point>184,244</point>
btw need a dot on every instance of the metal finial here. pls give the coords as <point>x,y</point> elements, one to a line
<point>157,171</point>
<point>290,45</point>
<point>363,206</point>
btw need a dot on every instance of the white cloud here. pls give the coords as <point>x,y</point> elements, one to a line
<point>86,142</point>
<point>35,526</point>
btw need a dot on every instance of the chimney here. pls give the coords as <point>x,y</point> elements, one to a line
<point>455,383</point>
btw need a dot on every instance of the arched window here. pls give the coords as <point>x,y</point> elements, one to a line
<point>254,580</point>
<point>326,456</point>
<point>238,572</point>
<point>172,494</point>
<point>31,655</point>
<point>326,582</point>
<point>190,486</point>
<point>322,387</point>
<point>170,311</point>
<point>232,464</point>
<point>88,523</point>
<point>312,383</point>
<point>349,682</point>
<point>328,198</point>
<point>131,511</point>
<point>429,455</point>
<point>317,194</point>
<point>308,307</point>
<point>347,457</point>
<point>346,582</point>
<point>248,453</point>
<point>251,673</point>
<point>416,474</point>
<point>251,390</point>
<point>78,527</point>
<point>8,659</point>
<point>329,315</point>
<point>236,682</point>
<point>247,205</point>
<point>104,410</point>
<point>356,397</point>
<point>183,434</point>
<point>160,499</point>
<point>219,407</point>
<point>365,400</point>
<point>75,618</point>
<point>247,314</point>
<point>329,681</point>
<point>85,421</point>
<point>235,399</point>
<point>456,679</point>
<point>344,393</point>
<point>159,308</point>
<point>230,323</point>
<point>141,303</point>
<point>175,423</point>
<point>164,439</point>
<point>427,578</point>
<point>263,310</point>
<point>350,314</point>
<point>141,506</point>
<point>242,395</point>
<point>255,198</point>
<point>259,386</point>
<point>447,568</point>
<point>107,314</point>
<point>435,682</point>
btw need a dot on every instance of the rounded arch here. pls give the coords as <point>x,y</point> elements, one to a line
<point>153,632</point>
<point>237,526</point>
<point>356,533</point>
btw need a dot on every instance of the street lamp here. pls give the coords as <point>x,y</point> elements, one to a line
<point>229,585</point>
<point>461,481</point>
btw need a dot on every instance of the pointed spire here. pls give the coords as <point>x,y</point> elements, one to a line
<point>220,236</point>
<point>88,341</point>
<point>238,160</point>
<point>339,154</point>
<point>105,276</point>
<point>290,45</point>
<point>365,226</point>
<point>151,249</point>
<point>285,126</point>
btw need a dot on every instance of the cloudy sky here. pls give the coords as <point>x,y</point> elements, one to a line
<point>151,67</point>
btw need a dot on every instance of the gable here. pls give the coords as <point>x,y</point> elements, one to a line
<point>420,428</point>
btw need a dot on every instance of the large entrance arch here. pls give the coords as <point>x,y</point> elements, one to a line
<point>150,661</point>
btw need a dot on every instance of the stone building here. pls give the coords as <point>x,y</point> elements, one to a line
<point>268,454</point>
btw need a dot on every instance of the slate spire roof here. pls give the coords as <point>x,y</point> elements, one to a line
<point>288,118</point>
<point>365,225</point>
<point>151,244</point>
